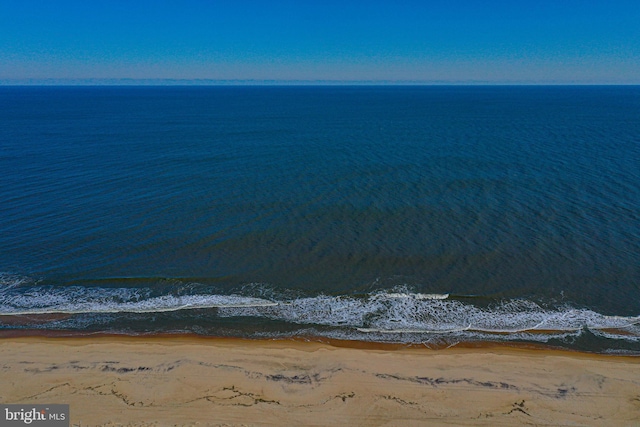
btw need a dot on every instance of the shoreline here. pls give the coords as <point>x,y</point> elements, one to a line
<point>184,380</point>
<point>479,345</point>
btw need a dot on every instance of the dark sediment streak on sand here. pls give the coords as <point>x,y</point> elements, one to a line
<point>184,380</point>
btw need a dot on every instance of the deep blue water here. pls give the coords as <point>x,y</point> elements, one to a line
<point>405,214</point>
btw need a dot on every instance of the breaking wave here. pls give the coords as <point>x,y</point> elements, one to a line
<point>397,314</point>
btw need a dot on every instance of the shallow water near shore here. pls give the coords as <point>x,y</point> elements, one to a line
<point>385,214</point>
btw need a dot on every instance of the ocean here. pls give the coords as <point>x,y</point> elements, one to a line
<point>429,215</point>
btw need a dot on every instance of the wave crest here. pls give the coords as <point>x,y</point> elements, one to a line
<point>396,312</point>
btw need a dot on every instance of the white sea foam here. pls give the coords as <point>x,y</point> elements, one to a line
<point>77,300</point>
<point>411,295</point>
<point>411,331</point>
<point>397,312</point>
<point>9,281</point>
<point>393,314</point>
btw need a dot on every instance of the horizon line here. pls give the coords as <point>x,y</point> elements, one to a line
<point>292,82</point>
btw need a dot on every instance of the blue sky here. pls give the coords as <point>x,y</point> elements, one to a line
<point>543,41</point>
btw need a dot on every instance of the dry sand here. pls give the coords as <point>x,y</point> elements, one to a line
<point>111,381</point>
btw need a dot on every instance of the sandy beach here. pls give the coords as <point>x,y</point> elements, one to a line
<point>187,381</point>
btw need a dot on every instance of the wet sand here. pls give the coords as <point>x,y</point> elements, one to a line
<point>188,381</point>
